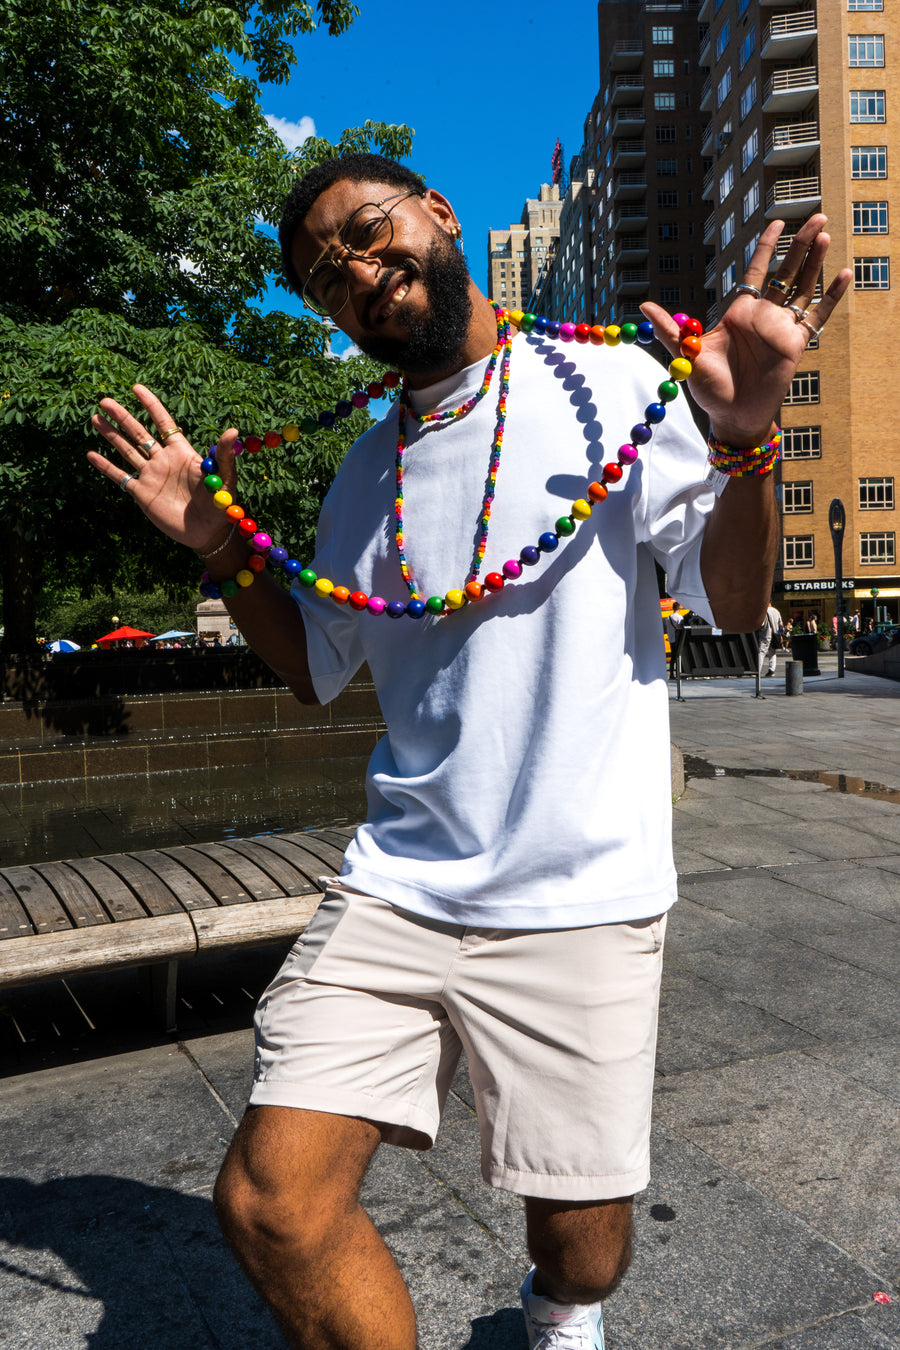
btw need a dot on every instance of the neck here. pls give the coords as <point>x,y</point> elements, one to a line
<point>481,340</point>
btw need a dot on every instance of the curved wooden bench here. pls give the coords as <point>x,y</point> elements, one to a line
<point>155,907</point>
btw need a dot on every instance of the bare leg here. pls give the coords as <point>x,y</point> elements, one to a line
<point>287,1199</point>
<point>581,1250</point>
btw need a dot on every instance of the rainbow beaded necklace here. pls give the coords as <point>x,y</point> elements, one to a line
<point>264,551</point>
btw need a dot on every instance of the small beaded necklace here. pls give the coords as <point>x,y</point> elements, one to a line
<point>265,551</point>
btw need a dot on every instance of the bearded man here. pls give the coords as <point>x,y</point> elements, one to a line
<point>507,894</point>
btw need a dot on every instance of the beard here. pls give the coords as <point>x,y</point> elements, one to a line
<point>434,339</point>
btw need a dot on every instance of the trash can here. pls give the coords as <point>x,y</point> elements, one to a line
<point>805,648</point>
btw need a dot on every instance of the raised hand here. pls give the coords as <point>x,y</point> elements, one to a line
<point>748,360</point>
<point>163,473</point>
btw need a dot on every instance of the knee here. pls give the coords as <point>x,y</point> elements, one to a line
<point>585,1265</point>
<point>262,1215</point>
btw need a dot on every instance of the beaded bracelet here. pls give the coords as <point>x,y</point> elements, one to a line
<point>742,463</point>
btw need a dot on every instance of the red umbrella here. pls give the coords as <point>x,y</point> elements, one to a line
<point>123,634</point>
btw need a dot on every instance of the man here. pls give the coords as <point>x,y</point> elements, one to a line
<point>769,635</point>
<point>508,891</point>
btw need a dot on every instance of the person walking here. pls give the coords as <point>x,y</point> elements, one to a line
<point>508,891</point>
<point>770,635</point>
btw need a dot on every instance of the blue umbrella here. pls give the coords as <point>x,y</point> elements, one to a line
<point>63,645</point>
<point>172,633</point>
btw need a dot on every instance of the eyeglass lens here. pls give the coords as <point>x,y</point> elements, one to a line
<point>365,235</point>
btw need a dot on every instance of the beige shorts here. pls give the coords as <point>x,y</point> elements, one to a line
<point>369,1012</point>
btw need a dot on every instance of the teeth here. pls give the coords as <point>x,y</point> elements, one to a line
<point>398,296</point>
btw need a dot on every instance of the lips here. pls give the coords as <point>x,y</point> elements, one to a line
<point>395,292</point>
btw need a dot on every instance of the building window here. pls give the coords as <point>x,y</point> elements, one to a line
<point>664,70</point>
<point>870,217</point>
<point>750,249</point>
<point>727,231</point>
<point>877,548</point>
<point>663,102</point>
<point>797,498</point>
<point>746,49</point>
<point>749,150</point>
<point>876,494</point>
<point>668,262</point>
<point>804,387</point>
<point>866,105</point>
<point>866,49</point>
<point>729,278</point>
<point>799,551</point>
<point>726,183</point>
<point>670,295</point>
<point>666,133</point>
<point>871,274</point>
<point>723,39</point>
<point>663,36</point>
<point>723,88</point>
<point>801,443</point>
<point>873,6</point>
<point>748,98</point>
<point>868,161</point>
<point>667,197</point>
<point>667,230</point>
<point>667,168</point>
<point>750,203</point>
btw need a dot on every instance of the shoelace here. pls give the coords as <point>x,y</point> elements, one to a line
<point>565,1338</point>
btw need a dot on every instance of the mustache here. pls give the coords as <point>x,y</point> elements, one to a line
<point>409,266</point>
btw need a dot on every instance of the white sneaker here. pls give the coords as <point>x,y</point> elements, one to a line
<point>561,1326</point>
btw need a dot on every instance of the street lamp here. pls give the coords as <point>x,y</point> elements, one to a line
<point>836,521</point>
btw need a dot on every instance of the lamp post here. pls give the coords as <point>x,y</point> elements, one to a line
<point>836,522</point>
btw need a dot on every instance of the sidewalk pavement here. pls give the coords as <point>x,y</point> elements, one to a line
<point>773,1215</point>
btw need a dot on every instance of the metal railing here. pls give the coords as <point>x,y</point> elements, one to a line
<point>791,133</point>
<point>785,81</point>
<point>785,25</point>
<point>792,190</point>
<point>709,227</point>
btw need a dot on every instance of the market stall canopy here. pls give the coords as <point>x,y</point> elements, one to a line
<point>124,634</point>
<point>172,633</point>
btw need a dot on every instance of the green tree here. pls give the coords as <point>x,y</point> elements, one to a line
<point>141,177</point>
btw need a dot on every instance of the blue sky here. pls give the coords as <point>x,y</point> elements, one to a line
<point>487,89</point>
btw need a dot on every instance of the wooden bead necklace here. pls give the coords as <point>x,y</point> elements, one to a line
<point>264,551</point>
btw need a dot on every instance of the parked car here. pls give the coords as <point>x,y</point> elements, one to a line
<point>882,635</point>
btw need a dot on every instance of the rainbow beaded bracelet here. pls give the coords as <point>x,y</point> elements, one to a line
<point>743,463</point>
<point>265,551</point>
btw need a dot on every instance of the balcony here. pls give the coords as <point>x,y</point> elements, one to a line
<point>629,186</point>
<point>709,137</point>
<point>709,276</point>
<point>793,198</point>
<point>706,95</point>
<point>632,248</point>
<point>626,56</point>
<point>627,89</point>
<point>628,121</point>
<point>707,192</point>
<point>629,154</point>
<point>705,58</point>
<point>709,228</point>
<point>791,143</point>
<point>785,239</point>
<point>789,35</point>
<point>705,13</point>
<point>633,281</point>
<point>630,217</point>
<point>790,90</point>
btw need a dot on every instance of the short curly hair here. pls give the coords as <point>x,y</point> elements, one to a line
<point>350,168</point>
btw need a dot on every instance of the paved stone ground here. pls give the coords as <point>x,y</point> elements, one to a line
<point>773,1215</point>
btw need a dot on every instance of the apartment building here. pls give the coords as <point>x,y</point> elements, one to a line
<point>802,105</point>
<point>517,255</point>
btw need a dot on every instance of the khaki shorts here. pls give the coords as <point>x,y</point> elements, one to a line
<point>369,1012</point>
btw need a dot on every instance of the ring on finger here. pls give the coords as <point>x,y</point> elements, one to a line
<point>146,447</point>
<point>776,284</point>
<point>806,324</point>
<point>169,432</point>
<point>798,313</point>
<point>123,482</point>
<point>749,290</point>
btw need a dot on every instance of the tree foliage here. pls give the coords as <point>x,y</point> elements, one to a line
<point>141,183</point>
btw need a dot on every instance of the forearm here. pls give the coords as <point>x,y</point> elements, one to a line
<point>268,618</point>
<point>739,551</point>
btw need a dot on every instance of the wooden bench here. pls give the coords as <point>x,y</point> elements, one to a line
<point>155,907</point>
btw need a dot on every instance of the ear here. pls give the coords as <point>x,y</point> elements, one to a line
<point>442,212</point>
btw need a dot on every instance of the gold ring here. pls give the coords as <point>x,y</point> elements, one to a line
<point>169,433</point>
<point>778,285</point>
<point>806,324</point>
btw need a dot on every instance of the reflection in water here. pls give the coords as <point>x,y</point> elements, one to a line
<point>79,818</point>
<point>695,767</point>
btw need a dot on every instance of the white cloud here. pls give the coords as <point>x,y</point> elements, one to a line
<point>292,133</point>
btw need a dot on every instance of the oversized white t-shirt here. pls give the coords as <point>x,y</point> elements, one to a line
<point>524,780</point>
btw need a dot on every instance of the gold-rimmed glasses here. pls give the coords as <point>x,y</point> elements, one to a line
<point>364,235</point>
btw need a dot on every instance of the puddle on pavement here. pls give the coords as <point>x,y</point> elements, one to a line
<point>696,767</point>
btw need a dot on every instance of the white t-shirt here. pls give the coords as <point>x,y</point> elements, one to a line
<point>524,779</point>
